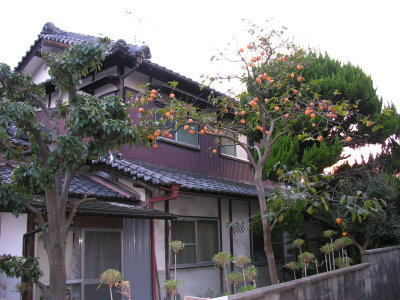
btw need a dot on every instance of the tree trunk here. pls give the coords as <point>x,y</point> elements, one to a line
<point>56,237</point>
<point>267,230</point>
<point>270,254</point>
<point>56,254</point>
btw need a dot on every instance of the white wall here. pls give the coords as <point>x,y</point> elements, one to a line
<point>12,230</point>
<point>40,74</point>
<point>241,238</point>
<point>134,81</point>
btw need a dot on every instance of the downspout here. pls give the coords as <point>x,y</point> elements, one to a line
<point>170,194</point>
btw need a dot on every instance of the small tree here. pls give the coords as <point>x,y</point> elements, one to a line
<point>327,250</point>
<point>305,258</point>
<point>176,246</point>
<point>241,261</point>
<point>111,277</point>
<point>171,287</point>
<point>235,278</point>
<point>78,128</point>
<point>294,266</point>
<point>251,274</point>
<point>329,234</point>
<point>222,259</point>
<point>298,243</point>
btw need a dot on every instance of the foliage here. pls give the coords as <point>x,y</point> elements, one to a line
<point>177,246</point>
<point>306,257</point>
<point>111,277</point>
<point>251,273</point>
<point>292,265</point>
<point>78,127</point>
<point>298,243</point>
<point>15,266</point>
<point>241,261</point>
<point>171,286</point>
<point>277,100</point>
<point>336,81</point>
<point>343,262</point>
<point>221,259</point>
<point>329,233</point>
<point>284,151</point>
<point>381,228</point>
<point>342,242</point>
<point>327,248</point>
<point>246,289</point>
<point>320,156</point>
<point>235,278</point>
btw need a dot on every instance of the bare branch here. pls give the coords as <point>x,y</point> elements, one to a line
<point>281,210</point>
<point>36,212</point>
<point>73,212</point>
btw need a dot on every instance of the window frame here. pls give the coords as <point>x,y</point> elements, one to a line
<point>175,134</point>
<point>84,281</point>
<point>197,263</point>
<point>229,156</point>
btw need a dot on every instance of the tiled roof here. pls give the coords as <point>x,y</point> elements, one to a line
<point>188,181</point>
<point>5,174</point>
<point>53,33</point>
<point>13,137</point>
<point>113,209</point>
<point>81,184</point>
<point>109,202</point>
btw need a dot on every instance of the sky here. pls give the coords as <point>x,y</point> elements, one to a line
<point>183,35</point>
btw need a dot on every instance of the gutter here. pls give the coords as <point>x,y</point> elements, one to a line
<point>170,194</point>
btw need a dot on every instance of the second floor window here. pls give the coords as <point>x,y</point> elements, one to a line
<point>185,137</point>
<point>231,149</point>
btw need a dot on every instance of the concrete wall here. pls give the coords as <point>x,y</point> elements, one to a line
<point>376,278</point>
<point>12,230</point>
<point>385,272</point>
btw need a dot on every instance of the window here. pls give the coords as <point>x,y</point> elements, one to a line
<point>182,136</point>
<point>231,149</point>
<point>200,237</point>
<point>88,254</point>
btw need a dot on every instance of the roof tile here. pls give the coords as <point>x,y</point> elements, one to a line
<point>189,181</point>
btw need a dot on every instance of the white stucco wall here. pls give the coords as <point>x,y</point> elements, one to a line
<point>40,74</point>
<point>12,230</point>
<point>134,81</point>
<point>241,238</point>
<point>110,71</point>
<point>105,89</point>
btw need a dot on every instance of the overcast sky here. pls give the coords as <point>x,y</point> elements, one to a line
<point>183,35</point>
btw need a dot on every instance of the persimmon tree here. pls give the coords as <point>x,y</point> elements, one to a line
<point>275,100</point>
<point>62,138</point>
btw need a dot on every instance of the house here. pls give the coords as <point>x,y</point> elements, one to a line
<point>146,198</point>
